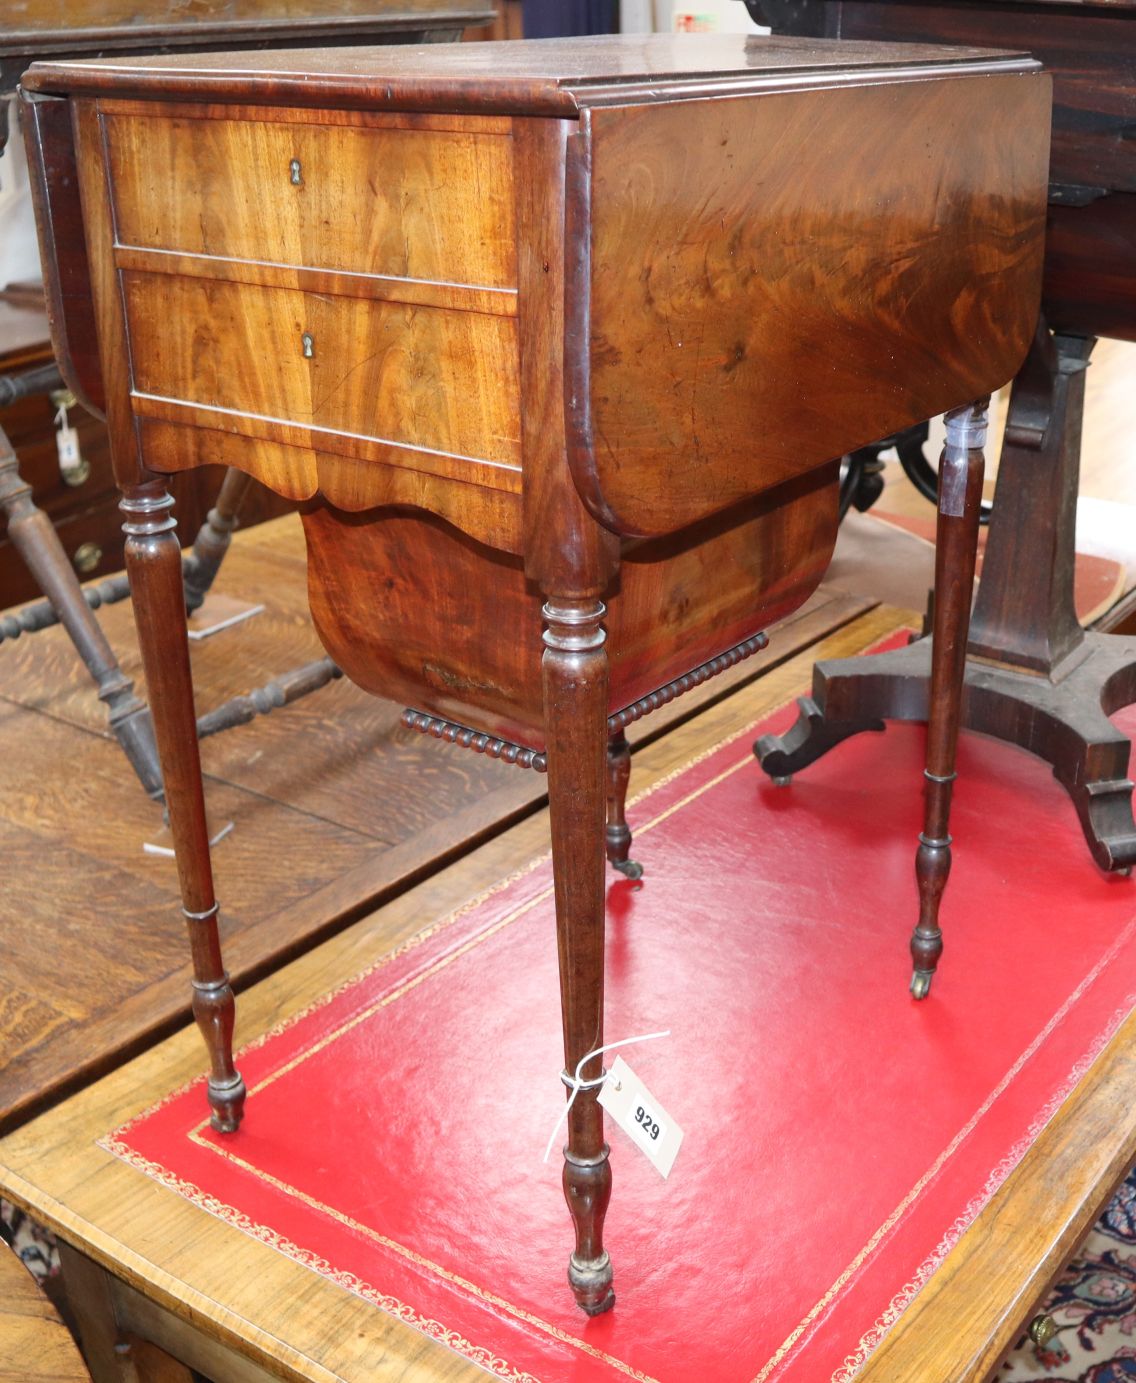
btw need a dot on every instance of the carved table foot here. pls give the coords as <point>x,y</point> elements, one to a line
<point>1061,719</point>
<point>805,741</point>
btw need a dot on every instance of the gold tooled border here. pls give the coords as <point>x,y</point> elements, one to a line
<point>479,1354</point>
<point>873,1337</point>
<point>114,1144</point>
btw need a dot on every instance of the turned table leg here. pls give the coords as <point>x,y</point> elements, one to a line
<point>153,562</point>
<point>37,542</point>
<point>213,538</point>
<point>956,546</point>
<point>575,680</point>
<point>617,835</point>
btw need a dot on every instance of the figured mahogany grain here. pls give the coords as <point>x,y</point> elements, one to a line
<point>413,610</point>
<point>440,204</point>
<point>708,334</point>
<point>428,378</point>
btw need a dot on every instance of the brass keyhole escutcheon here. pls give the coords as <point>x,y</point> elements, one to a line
<point>87,557</point>
<point>308,345</point>
<point>295,173</point>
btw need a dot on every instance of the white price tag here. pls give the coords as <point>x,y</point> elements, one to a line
<point>67,440</point>
<point>641,1116</point>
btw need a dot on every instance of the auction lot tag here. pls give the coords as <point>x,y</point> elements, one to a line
<point>641,1116</point>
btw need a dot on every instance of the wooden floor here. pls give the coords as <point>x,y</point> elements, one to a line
<point>335,806</point>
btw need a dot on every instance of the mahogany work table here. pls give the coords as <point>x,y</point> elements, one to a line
<point>556,343</point>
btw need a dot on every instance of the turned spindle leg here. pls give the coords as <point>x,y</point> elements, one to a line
<point>575,707</point>
<point>956,545</point>
<point>153,562</point>
<point>34,538</point>
<point>617,835</point>
<point>213,538</point>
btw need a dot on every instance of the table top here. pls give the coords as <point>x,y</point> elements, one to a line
<point>268,1307</point>
<point>544,77</point>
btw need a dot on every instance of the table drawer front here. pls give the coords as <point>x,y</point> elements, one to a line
<point>435,379</point>
<point>412,203</point>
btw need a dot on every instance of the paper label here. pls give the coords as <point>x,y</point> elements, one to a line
<point>641,1116</point>
<point>67,440</point>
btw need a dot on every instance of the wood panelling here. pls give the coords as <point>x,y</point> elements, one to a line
<point>421,377</point>
<point>749,304</point>
<point>437,206</point>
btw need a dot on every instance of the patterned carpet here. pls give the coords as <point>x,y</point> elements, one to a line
<point>1094,1304</point>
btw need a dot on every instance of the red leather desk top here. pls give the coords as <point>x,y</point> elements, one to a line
<point>839,1136</point>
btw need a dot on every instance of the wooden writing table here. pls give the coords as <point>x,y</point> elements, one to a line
<point>149,1264</point>
<point>559,370</point>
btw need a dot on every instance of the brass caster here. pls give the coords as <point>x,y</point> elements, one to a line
<point>782,781</point>
<point>1042,1329</point>
<point>632,869</point>
<point>600,1307</point>
<point>921,983</point>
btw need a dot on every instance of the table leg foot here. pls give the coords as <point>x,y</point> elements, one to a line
<point>617,833</point>
<point>810,737</point>
<point>587,1189</point>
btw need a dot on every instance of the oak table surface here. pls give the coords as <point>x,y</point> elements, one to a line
<point>196,1285</point>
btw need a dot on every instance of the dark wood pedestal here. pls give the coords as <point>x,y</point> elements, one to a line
<point>1034,677</point>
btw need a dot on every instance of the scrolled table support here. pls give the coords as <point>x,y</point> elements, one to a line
<point>153,561</point>
<point>574,675</point>
<point>956,547</point>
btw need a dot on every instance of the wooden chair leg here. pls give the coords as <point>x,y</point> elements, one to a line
<point>153,561</point>
<point>213,538</point>
<point>37,542</point>
<point>575,680</point>
<point>956,547</point>
<point>617,835</point>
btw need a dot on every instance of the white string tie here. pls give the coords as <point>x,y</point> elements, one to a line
<point>576,1084</point>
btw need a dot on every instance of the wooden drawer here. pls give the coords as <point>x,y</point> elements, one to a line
<point>417,203</point>
<point>431,382</point>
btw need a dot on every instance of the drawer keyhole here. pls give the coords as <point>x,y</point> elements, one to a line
<point>308,344</point>
<point>295,173</point>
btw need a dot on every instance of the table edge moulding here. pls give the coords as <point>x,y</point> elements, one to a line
<point>540,503</point>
